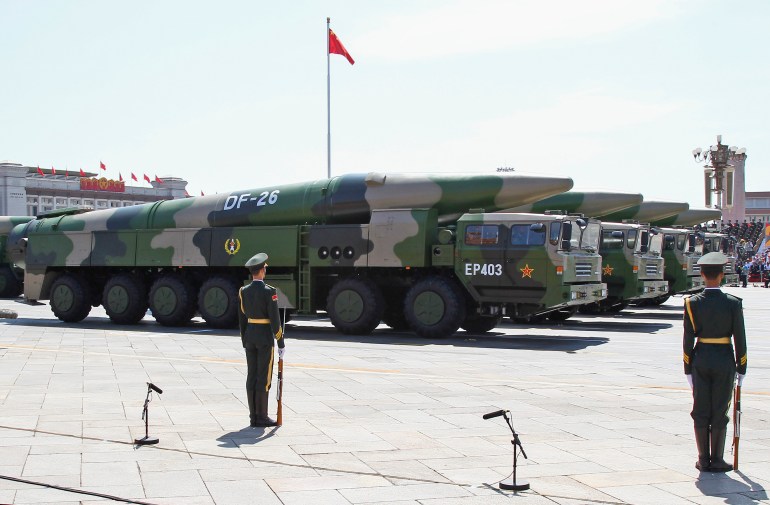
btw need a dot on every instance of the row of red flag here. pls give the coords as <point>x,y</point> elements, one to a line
<point>103,167</point>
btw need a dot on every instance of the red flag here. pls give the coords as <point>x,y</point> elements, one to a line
<point>120,177</point>
<point>146,178</point>
<point>66,172</point>
<point>40,172</point>
<point>53,171</point>
<point>82,174</point>
<point>336,47</point>
<point>158,180</point>
<point>102,166</point>
<point>134,177</point>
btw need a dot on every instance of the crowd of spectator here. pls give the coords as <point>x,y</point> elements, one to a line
<point>752,266</point>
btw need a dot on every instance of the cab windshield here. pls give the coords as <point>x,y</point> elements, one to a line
<point>656,243</point>
<point>589,241</point>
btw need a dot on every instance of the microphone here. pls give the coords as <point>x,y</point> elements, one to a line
<point>157,389</point>
<point>497,413</point>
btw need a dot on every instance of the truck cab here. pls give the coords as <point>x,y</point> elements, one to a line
<point>718,242</point>
<point>681,251</point>
<point>632,265</point>
<point>528,264</point>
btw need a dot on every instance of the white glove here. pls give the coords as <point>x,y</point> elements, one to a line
<point>281,352</point>
<point>740,378</point>
<point>689,380</point>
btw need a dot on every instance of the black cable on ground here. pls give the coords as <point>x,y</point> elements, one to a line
<point>73,490</point>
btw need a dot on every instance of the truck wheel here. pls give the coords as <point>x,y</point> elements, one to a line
<point>617,308</point>
<point>660,300</point>
<point>172,300</point>
<point>218,302</point>
<point>434,307</point>
<point>480,324</point>
<point>10,287</point>
<point>562,314</point>
<point>355,306</point>
<point>70,298</point>
<point>125,299</point>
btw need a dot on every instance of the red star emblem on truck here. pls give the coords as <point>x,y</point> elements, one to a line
<point>526,271</point>
<point>607,270</point>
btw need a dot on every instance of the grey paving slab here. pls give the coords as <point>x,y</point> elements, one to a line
<point>384,419</point>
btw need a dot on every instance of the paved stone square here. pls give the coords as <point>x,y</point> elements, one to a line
<point>600,403</point>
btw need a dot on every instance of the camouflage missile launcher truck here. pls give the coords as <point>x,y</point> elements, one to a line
<point>11,278</point>
<point>363,248</point>
<point>719,242</point>
<point>632,265</point>
<point>539,263</point>
<point>680,255</point>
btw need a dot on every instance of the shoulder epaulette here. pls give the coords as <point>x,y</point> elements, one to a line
<point>269,286</point>
<point>736,298</point>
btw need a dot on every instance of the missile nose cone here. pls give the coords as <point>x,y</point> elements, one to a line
<point>653,210</point>
<point>691,217</point>
<point>521,190</point>
<point>598,203</point>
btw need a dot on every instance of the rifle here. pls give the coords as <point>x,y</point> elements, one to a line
<point>279,386</point>
<point>736,426</point>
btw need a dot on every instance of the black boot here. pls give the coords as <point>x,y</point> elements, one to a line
<point>702,441</point>
<point>251,397</point>
<point>263,420</point>
<point>718,464</point>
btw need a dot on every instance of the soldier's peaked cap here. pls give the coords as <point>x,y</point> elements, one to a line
<point>713,258</point>
<point>256,260</point>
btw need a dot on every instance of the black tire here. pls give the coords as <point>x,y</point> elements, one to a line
<point>660,300</point>
<point>355,306</point>
<point>218,302</point>
<point>617,307</point>
<point>434,307</point>
<point>172,300</point>
<point>590,308</point>
<point>10,286</point>
<point>480,324</point>
<point>125,299</point>
<point>394,312</point>
<point>70,298</point>
<point>562,314</point>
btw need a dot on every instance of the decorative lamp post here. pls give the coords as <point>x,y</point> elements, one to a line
<point>719,174</point>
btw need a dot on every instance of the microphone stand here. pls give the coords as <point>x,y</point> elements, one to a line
<point>520,486</point>
<point>146,440</point>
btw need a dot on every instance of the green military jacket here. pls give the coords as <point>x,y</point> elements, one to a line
<point>714,317</point>
<point>258,316</point>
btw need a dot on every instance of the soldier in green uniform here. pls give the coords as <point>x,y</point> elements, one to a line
<point>713,322</point>
<point>259,323</point>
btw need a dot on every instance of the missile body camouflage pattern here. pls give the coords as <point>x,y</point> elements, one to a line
<point>632,266</point>
<point>689,217</point>
<point>361,247</point>
<point>590,204</point>
<point>681,254</point>
<point>11,279</point>
<point>647,212</point>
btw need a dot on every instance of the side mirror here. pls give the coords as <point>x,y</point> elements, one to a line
<point>582,223</point>
<point>644,241</point>
<point>566,235</point>
<point>668,238</point>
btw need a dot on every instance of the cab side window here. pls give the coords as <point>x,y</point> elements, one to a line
<point>523,235</point>
<point>482,235</point>
<point>680,241</point>
<point>610,242</point>
<point>555,231</point>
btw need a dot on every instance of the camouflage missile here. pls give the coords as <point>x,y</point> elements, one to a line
<point>346,199</point>
<point>8,222</point>
<point>647,211</point>
<point>587,203</point>
<point>690,217</point>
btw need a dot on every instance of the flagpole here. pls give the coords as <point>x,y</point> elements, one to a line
<point>328,108</point>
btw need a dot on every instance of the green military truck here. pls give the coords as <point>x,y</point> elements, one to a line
<point>11,278</point>
<point>362,247</point>
<point>719,242</point>
<point>632,265</point>
<point>681,252</point>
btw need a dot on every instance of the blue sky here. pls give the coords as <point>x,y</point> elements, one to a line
<point>232,95</point>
